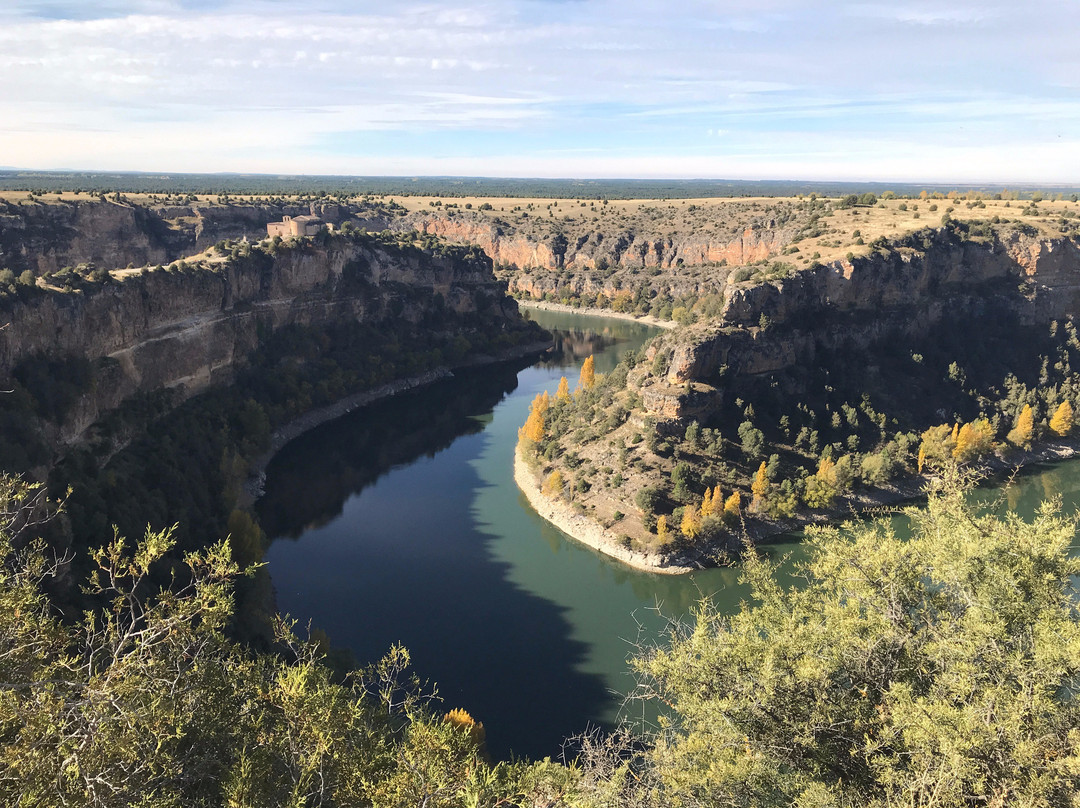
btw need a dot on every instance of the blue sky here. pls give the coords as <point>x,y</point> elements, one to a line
<point>775,89</point>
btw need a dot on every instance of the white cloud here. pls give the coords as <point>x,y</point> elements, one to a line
<point>145,84</point>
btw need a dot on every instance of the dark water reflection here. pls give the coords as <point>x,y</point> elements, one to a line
<point>311,478</point>
<point>402,523</point>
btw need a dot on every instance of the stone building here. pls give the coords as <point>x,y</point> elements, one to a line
<point>295,226</point>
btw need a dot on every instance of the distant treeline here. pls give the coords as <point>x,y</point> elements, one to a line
<point>332,185</point>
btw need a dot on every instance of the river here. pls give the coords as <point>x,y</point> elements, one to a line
<point>401,523</point>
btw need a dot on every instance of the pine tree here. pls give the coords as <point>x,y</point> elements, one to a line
<point>588,374</point>
<point>563,393</point>
<point>1062,422</point>
<point>1024,430</point>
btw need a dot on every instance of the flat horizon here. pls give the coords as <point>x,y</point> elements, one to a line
<point>909,92</point>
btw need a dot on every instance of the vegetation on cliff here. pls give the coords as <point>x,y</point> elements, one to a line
<point>725,426</point>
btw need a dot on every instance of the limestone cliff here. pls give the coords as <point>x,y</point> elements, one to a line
<point>581,246</point>
<point>896,293</point>
<point>114,234</point>
<point>822,385</point>
<point>187,329</point>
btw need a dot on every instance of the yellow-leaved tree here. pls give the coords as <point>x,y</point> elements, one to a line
<point>821,489</point>
<point>533,430</point>
<point>712,502</point>
<point>553,485</point>
<point>759,488</point>
<point>1062,422</point>
<point>973,440</point>
<point>937,446</point>
<point>563,391</point>
<point>733,505</point>
<point>691,522</point>
<point>534,427</point>
<point>588,374</point>
<point>661,528</point>
<point>1024,431</point>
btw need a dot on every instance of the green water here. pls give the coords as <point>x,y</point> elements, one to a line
<point>402,523</point>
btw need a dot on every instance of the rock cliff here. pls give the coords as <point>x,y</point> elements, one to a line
<point>897,293</point>
<point>821,386</point>
<point>113,234</point>
<point>583,247</point>
<point>186,329</point>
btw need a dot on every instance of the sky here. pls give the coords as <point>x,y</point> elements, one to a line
<point>902,90</point>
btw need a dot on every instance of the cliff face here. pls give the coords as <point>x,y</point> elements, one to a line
<point>891,297</point>
<point>46,237</point>
<point>586,248</point>
<point>188,329</point>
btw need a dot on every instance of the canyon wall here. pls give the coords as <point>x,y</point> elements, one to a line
<point>585,247</point>
<point>891,297</point>
<point>187,329</point>
<point>113,234</point>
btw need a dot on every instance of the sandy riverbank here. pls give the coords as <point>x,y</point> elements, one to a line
<point>584,530</point>
<point>646,319</point>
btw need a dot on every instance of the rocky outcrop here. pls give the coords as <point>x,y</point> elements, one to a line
<point>589,248</point>
<point>893,295</point>
<point>114,234</point>
<point>188,329</point>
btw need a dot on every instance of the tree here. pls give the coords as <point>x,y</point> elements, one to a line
<point>680,482</point>
<point>553,485</point>
<point>648,498</point>
<point>1062,422</point>
<point>563,391</point>
<point>533,430</point>
<point>821,488</point>
<point>661,528</point>
<point>713,502</point>
<point>144,701</point>
<point>588,374</point>
<point>752,439</point>
<point>733,505</point>
<point>691,522</point>
<point>1021,435</point>
<point>973,440</point>
<point>937,446</point>
<point>902,673</point>
<point>759,488</point>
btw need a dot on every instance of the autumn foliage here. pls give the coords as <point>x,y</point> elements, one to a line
<point>533,430</point>
<point>1062,422</point>
<point>553,485</point>
<point>1024,430</point>
<point>563,391</point>
<point>588,374</point>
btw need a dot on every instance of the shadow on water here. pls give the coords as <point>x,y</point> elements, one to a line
<point>404,525</point>
<point>309,480</point>
<point>399,558</point>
